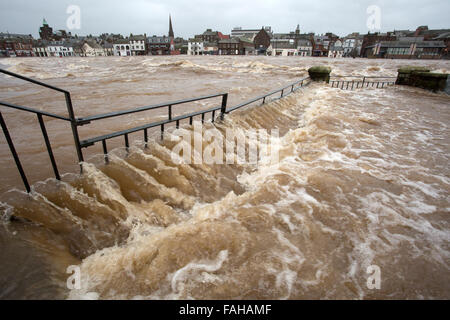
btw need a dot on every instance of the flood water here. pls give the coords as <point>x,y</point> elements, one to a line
<point>362,180</point>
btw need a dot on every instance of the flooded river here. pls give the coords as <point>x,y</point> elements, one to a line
<point>362,180</point>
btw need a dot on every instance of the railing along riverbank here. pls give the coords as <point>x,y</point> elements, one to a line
<point>343,82</point>
<point>75,122</point>
<point>40,114</point>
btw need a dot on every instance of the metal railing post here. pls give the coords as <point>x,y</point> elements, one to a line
<point>223,107</point>
<point>105,151</point>
<point>145,138</point>
<point>49,147</point>
<point>14,153</point>
<point>74,125</point>
<point>127,143</point>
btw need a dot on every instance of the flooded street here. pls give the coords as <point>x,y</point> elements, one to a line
<point>363,179</point>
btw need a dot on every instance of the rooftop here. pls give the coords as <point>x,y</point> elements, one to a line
<point>407,44</point>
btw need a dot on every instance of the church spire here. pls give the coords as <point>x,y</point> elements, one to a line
<point>170,27</point>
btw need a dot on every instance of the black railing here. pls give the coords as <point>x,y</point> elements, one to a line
<point>76,122</point>
<point>284,92</point>
<point>343,83</point>
<point>161,124</point>
<point>71,118</point>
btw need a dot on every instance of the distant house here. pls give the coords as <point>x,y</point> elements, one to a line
<point>17,36</point>
<point>138,45</point>
<point>305,48</point>
<point>195,47</point>
<point>92,49</point>
<point>206,43</point>
<point>78,49</point>
<point>122,48</point>
<point>230,46</point>
<point>248,33</point>
<point>46,32</point>
<point>336,51</point>
<point>247,46</point>
<point>210,48</point>
<point>40,49</point>
<point>236,46</point>
<point>407,49</point>
<point>16,47</point>
<point>283,48</point>
<point>159,45</point>
<point>108,49</point>
<point>54,48</point>
<point>261,41</point>
<point>60,49</point>
<point>446,38</point>
<point>352,44</point>
<point>429,34</point>
<point>291,37</point>
<point>211,36</point>
<point>370,39</point>
<point>322,45</point>
<point>181,45</point>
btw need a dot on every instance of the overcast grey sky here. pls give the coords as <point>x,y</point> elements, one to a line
<point>194,16</point>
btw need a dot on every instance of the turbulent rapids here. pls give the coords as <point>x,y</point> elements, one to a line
<point>362,180</point>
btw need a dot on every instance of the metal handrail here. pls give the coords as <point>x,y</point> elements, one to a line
<point>390,77</point>
<point>14,153</point>
<point>263,97</point>
<point>15,75</point>
<point>76,122</point>
<point>145,108</point>
<point>89,142</point>
<point>40,119</point>
<point>350,84</point>
<point>42,113</point>
<point>69,107</point>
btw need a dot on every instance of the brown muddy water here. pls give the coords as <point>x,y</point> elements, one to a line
<point>363,179</point>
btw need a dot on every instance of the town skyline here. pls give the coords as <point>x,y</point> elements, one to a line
<point>341,20</point>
